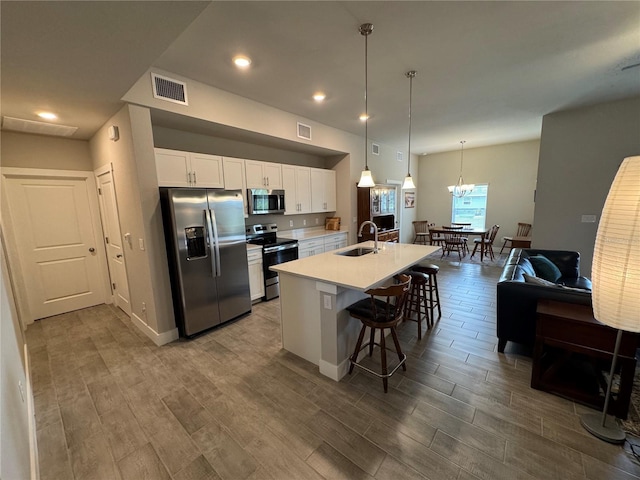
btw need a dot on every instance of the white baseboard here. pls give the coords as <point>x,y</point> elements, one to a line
<point>334,372</point>
<point>158,338</point>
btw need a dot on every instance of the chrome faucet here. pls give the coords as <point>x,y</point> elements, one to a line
<point>375,233</point>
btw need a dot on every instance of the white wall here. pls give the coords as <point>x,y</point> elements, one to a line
<point>580,152</point>
<point>509,169</point>
<point>40,151</point>
<point>139,210</point>
<point>15,460</point>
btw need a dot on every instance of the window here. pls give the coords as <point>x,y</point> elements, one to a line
<point>471,208</point>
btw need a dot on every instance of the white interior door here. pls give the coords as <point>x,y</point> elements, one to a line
<point>113,240</point>
<point>53,228</point>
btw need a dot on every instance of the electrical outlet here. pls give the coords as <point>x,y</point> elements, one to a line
<point>317,221</point>
<point>291,223</point>
<point>141,243</point>
<point>588,219</point>
<point>304,223</point>
<point>144,307</point>
<point>327,302</point>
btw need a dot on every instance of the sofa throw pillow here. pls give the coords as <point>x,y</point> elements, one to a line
<point>538,281</point>
<point>545,268</point>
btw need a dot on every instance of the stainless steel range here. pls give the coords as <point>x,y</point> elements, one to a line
<point>274,251</point>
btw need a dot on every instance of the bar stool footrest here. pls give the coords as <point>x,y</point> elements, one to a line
<point>379,375</point>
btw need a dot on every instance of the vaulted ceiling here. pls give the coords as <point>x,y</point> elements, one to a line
<point>487,71</point>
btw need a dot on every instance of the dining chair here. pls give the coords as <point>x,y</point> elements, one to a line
<point>435,238</point>
<point>421,231</point>
<point>454,241</point>
<point>487,243</point>
<point>524,229</point>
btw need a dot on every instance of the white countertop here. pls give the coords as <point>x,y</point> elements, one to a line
<point>359,273</point>
<point>308,233</point>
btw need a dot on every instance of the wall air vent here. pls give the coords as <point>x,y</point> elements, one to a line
<point>39,128</point>
<point>304,131</point>
<point>375,149</point>
<point>399,156</point>
<point>169,89</point>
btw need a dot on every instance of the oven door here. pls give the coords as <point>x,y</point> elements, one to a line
<point>275,256</point>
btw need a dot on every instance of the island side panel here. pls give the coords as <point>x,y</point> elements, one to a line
<point>300,317</point>
<point>339,331</point>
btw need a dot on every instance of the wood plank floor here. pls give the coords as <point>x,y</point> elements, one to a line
<point>233,405</point>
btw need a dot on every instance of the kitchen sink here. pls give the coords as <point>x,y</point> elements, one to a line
<point>355,252</point>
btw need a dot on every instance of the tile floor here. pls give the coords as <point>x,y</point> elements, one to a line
<point>233,405</point>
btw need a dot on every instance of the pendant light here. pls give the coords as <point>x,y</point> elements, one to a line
<point>366,180</point>
<point>461,189</point>
<point>408,181</point>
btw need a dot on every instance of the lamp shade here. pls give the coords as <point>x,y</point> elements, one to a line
<point>366,180</point>
<point>616,258</point>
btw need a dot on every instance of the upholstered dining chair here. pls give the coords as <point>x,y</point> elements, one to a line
<point>421,231</point>
<point>524,229</point>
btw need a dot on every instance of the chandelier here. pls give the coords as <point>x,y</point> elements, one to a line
<point>461,189</point>
<point>408,181</point>
<point>366,180</point>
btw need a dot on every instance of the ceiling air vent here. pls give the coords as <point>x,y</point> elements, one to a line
<point>40,128</point>
<point>169,89</point>
<point>375,149</point>
<point>304,131</point>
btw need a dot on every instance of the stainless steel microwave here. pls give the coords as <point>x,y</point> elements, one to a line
<point>261,201</point>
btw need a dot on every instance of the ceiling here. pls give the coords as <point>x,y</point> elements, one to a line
<point>487,71</point>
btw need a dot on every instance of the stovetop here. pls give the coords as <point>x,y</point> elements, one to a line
<point>265,234</point>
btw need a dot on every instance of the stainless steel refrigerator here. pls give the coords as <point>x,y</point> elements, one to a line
<point>206,248</point>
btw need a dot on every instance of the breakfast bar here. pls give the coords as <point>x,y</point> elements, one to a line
<point>315,291</point>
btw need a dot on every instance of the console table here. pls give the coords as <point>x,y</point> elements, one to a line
<point>572,357</point>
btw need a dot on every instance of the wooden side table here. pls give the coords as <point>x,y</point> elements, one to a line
<point>572,356</point>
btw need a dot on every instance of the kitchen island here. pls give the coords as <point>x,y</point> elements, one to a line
<point>315,292</point>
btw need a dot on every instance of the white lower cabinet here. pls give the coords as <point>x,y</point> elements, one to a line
<point>336,241</point>
<point>256,275</point>
<point>308,248</point>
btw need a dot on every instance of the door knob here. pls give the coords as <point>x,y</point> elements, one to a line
<point>92,249</point>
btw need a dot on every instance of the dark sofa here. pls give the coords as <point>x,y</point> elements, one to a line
<point>517,299</point>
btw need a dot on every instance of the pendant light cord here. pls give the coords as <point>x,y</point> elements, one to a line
<point>462,142</point>
<point>365,31</point>
<point>410,74</point>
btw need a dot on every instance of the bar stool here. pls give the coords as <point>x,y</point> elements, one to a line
<point>378,314</point>
<point>433,299</point>
<point>417,300</point>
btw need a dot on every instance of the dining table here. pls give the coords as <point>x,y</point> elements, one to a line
<point>466,231</point>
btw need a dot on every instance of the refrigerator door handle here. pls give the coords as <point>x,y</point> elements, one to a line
<point>216,243</point>
<point>212,243</point>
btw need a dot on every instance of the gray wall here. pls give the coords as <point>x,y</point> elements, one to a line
<point>509,169</point>
<point>40,151</point>
<point>580,152</point>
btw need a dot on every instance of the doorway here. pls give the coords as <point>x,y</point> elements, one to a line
<point>113,239</point>
<point>53,226</point>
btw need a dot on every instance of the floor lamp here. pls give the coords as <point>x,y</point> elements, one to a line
<point>616,278</point>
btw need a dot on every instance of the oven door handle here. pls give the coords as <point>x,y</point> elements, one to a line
<point>214,244</point>
<point>279,248</point>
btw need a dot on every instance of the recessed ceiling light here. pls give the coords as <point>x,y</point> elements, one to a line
<point>364,117</point>
<point>319,96</point>
<point>241,61</point>
<point>48,115</point>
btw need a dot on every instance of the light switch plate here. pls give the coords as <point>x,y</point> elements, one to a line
<point>327,302</point>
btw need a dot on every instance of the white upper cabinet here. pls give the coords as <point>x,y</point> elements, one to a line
<point>263,174</point>
<point>296,182</point>
<point>323,190</point>
<point>234,178</point>
<point>185,169</point>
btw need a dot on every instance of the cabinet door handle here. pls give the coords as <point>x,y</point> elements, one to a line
<point>194,178</point>
<point>189,178</point>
